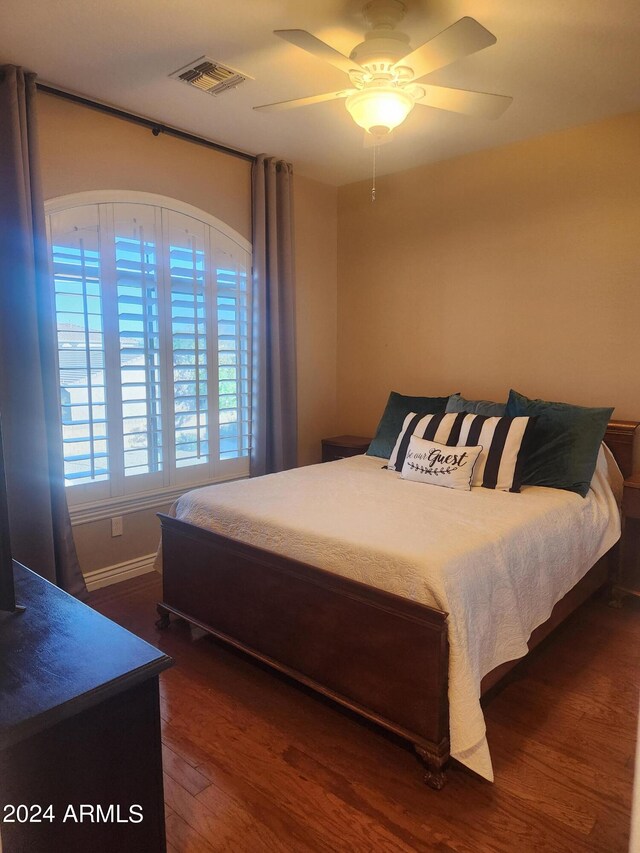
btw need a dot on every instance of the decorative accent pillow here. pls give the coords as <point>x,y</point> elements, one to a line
<point>439,465</point>
<point>397,408</point>
<point>504,442</point>
<point>564,442</point>
<point>457,403</point>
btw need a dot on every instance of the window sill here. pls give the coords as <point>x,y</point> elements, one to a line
<point>99,510</point>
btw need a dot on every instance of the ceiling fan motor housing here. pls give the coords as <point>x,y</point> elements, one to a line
<point>380,50</point>
<point>383,45</point>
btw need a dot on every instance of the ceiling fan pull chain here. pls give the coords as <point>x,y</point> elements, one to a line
<point>373,179</point>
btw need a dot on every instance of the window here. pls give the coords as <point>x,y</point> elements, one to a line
<point>153,320</point>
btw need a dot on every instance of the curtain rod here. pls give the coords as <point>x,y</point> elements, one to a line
<point>156,127</point>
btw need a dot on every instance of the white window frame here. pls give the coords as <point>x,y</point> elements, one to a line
<point>92,501</point>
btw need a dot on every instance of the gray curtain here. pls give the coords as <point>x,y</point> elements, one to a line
<point>41,536</point>
<point>274,408</point>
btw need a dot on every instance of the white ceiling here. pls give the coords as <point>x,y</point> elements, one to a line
<point>565,62</point>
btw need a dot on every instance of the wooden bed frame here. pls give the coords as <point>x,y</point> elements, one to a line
<point>383,656</point>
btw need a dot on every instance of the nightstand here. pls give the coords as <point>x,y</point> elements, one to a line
<point>341,446</point>
<point>628,579</point>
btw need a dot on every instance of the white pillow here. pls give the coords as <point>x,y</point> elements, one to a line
<point>429,462</point>
<point>501,463</point>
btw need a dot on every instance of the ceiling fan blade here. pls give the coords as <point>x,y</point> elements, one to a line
<point>480,104</point>
<point>313,45</point>
<point>303,102</point>
<point>460,39</point>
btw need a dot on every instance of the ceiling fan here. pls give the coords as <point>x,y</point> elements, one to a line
<point>386,75</point>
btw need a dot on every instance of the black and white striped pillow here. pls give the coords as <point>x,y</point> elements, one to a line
<point>500,464</point>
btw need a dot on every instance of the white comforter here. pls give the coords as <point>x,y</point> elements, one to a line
<point>496,562</point>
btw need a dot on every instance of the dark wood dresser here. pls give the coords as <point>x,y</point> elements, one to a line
<point>80,751</point>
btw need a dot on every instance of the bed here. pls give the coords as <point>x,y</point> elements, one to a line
<point>348,592</point>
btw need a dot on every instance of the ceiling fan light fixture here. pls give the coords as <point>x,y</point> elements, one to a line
<point>379,109</point>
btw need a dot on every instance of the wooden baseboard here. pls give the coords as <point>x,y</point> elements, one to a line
<point>108,575</point>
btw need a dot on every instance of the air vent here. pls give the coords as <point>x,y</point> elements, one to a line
<point>210,76</point>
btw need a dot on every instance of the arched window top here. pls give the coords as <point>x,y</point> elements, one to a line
<point>66,202</point>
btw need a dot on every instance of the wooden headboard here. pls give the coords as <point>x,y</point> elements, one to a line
<point>619,439</point>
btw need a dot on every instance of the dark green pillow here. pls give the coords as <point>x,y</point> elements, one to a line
<point>564,445</point>
<point>397,408</point>
<point>457,403</point>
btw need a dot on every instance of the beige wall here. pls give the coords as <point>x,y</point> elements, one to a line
<point>83,149</point>
<point>518,266</point>
<point>97,548</point>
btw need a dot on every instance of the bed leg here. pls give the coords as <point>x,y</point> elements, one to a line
<point>163,622</point>
<point>434,767</point>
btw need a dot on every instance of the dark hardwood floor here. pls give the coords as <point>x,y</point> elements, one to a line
<point>255,763</point>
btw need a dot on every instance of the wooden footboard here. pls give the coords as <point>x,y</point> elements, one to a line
<point>380,655</point>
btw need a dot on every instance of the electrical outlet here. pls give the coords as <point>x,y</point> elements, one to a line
<point>116,526</point>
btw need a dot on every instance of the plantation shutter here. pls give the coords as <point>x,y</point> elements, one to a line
<point>188,271</point>
<point>137,294</point>
<point>152,311</point>
<point>77,266</point>
<point>233,352</point>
